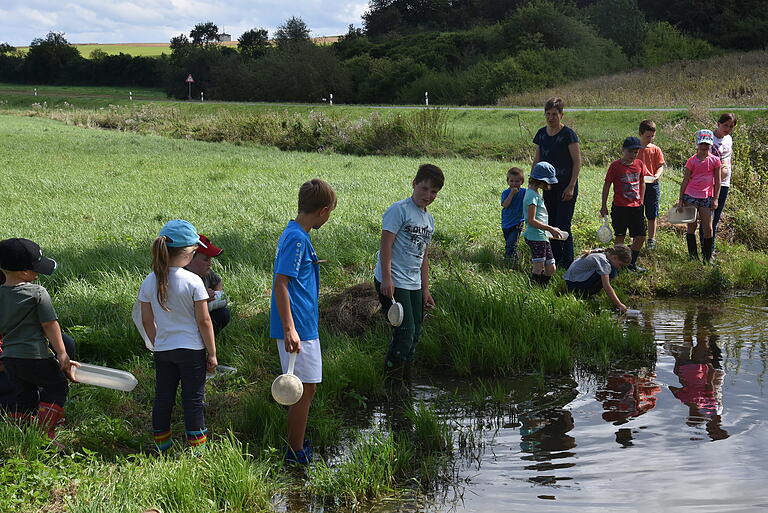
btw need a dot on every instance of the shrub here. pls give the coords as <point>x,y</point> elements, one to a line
<point>665,43</point>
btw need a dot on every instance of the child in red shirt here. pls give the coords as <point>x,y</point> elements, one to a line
<point>627,177</point>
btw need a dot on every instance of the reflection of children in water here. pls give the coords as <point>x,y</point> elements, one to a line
<point>627,396</point>
<point>699,369</point>
<point>546,431</point>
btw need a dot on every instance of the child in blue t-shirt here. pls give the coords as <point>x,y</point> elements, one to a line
<point>293,313</point>
<point>402,268</point>
<point>512,216</point>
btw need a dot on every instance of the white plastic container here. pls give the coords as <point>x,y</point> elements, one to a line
<point>104,377</point>
<point>287,388</point>
<point>136,316</point>
<point>219,301</point>
<point>562,235</point>
<point>632,313</point>
<point>604,233</point>
<point>683,215</point>
<point>395,313</point>
<point>649,179</point>
<point>221,370</point>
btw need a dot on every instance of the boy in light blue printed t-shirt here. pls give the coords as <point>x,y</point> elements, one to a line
<point>402,267</point>
<point>512,216</point>
<point>293,313</point>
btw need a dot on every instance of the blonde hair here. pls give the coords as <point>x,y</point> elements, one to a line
<point>161,256</point>
<point>620,251</point>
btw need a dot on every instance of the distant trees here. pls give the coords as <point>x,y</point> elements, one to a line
<point>253,43</point>
<point>204,34</point>
<point>50,59</point>
<point>293,31</point>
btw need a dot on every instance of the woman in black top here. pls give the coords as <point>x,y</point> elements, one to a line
<point>559,145</point>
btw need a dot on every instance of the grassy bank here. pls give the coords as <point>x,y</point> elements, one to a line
<point>95,198</point>
<point>738,79</point>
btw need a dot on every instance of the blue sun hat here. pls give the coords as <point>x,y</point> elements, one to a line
<point>705,136</point>
<point>545,172</point>
<point>180,234</point>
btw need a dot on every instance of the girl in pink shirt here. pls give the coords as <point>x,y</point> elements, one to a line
<point>701,189</point>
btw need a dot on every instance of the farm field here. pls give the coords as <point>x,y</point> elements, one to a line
<point>94,199</point>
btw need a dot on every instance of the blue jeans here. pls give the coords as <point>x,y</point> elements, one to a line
<point>560,216</point>
<point>511,237</point>
<point>171,367</point>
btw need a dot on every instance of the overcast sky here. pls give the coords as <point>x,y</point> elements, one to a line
<point>156,21</point>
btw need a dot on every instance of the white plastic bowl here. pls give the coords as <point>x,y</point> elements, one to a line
<point>649,179</point>
<point>104,377</point>
<point>682,215</point>
<point>632,313</point>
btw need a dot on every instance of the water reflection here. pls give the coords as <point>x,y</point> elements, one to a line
<point>698,366</point>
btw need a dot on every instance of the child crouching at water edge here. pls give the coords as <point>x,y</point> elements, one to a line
<point>536,217</point>
<point>594,271</point>
<point>174,313</point>
<point>293,312</point>
<point>402,268</point>
<point>512,213</point>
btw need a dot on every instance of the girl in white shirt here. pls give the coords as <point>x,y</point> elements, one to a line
<point>174,313</point>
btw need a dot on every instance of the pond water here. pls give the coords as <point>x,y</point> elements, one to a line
<point>684,433</point>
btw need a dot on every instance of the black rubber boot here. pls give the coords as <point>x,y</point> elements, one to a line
<point>690,239</point>
<point>706,248</point>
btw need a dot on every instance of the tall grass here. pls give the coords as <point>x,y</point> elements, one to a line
<point>735,79</point>
<point>224,478</point>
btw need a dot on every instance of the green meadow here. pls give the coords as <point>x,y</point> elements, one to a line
<point>95,198</point>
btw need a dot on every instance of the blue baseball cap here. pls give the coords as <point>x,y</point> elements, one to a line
<point>180,234</point>
<point>632,143</point>
<point>545,172</point>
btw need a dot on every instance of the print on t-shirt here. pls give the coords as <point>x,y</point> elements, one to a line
<point>630,186</point>
<point>420,237</point>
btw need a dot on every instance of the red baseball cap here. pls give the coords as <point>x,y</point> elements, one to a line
<point>209,249</point>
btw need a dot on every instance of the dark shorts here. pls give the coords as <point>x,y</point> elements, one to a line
<point>698,202</point>
<point>632,218</point>
<point>541,251</point>
<point>651,202</point>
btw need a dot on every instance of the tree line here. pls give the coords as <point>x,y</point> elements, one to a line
<point>462,52</point>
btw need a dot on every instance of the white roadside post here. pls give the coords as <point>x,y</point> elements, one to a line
<point>331,97</point>
<point>426,98</point>
<point>202,97</point>
<point>130,95</point>
<point>35,91</point>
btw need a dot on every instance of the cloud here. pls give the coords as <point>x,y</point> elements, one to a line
<point>156,21</point>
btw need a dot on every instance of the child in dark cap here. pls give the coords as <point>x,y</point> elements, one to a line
<point>28,323</point>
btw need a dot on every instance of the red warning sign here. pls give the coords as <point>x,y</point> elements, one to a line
<point>190,79</point>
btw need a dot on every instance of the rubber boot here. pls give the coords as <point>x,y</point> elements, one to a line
<point>407,374</point>
<point>197,440</point>
<point>162,440</point>
<point>545,280</point>
<point>706,249</point>
<point>539,279</point>
<point>49,416</point>
<point>690,239</point>
<point>20,416</point>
